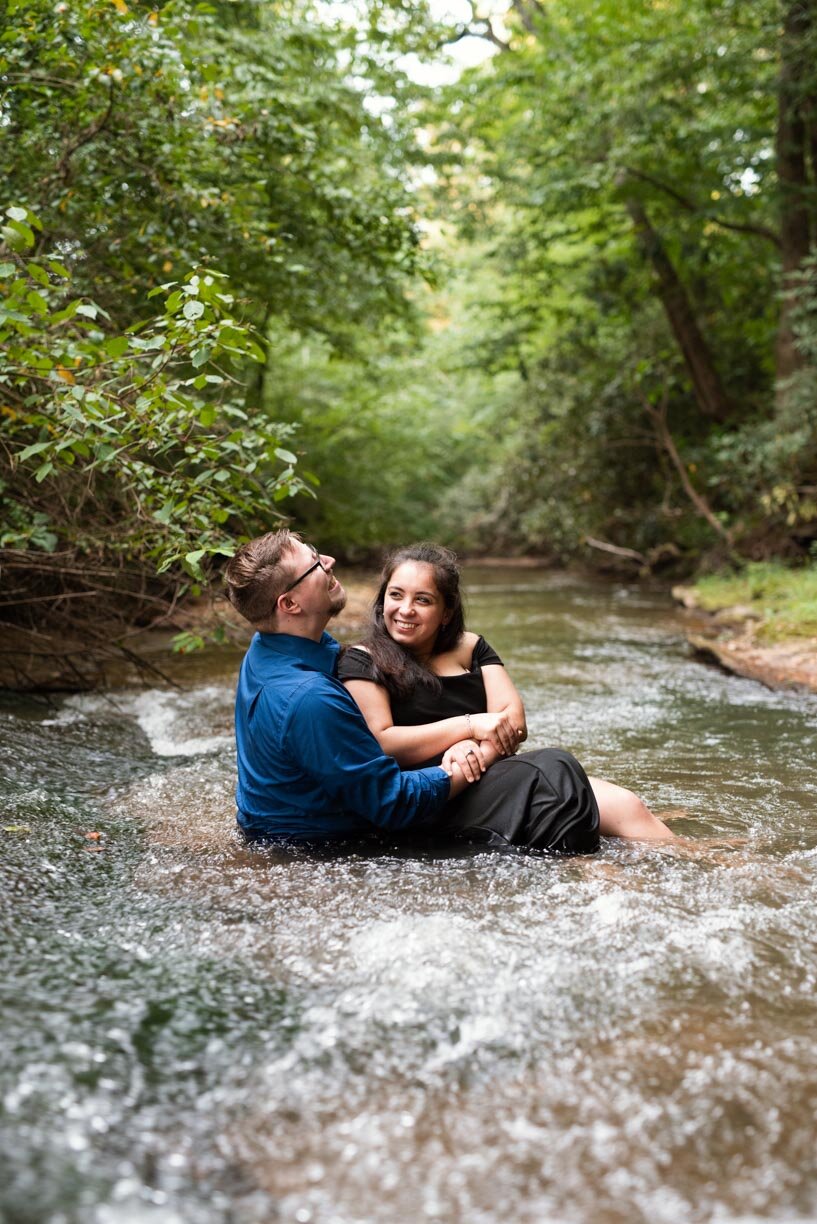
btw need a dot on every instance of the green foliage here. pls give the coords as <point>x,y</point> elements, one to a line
<point>542,395</point>
<point>783,599</point>
<point>151,139</point>
<point>136,435</point>
<point>596,111</point>
<point>388,431</point>
<point>142,141</point>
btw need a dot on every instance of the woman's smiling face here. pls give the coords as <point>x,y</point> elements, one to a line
<point>413,608</point>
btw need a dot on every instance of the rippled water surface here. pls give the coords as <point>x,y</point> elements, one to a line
<point>193,1032</point>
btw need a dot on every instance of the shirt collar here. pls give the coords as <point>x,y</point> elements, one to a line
<point>322,655</point>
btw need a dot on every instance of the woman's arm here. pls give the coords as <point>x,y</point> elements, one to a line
<point>412,745</point>
<point>503,698</point>
<point>408,745</point>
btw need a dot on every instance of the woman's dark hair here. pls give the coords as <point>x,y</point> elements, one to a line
<point>396,667</point>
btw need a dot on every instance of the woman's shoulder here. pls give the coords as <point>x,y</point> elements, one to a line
<point>462,654</point>
<point>468,642</point>
<point>355,663</point>
<point>482,654</point>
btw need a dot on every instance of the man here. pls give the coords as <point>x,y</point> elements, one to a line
<point>308,766</point>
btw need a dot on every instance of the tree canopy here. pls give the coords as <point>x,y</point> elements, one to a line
<point>643,180</point>
<point>250,266</point>
<point>184,183</point>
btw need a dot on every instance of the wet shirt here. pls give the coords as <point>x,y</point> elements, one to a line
<point>308,766</point>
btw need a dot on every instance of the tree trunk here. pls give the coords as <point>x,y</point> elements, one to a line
<point>794,143</point>
<point>709,392</point>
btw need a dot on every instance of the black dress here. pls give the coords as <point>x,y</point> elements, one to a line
<point>540,799</point>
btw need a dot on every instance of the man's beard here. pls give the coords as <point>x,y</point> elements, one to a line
<point>337,602</point>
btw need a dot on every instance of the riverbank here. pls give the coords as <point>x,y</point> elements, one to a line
<point>743,636</point>
<point>39,662</point>
<point>760,623</point>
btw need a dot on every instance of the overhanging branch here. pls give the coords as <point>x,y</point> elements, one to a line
<point>760,231</point>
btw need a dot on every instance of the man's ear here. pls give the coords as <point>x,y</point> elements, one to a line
<point>286,604</point>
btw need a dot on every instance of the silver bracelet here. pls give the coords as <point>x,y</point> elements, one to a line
<point>470,731</point>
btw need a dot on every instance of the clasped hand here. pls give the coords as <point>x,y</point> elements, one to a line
<point>497,730</point>
<point>472,757</point>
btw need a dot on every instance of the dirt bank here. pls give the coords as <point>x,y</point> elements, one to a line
<point>729,637</point>
<point>47,663</point>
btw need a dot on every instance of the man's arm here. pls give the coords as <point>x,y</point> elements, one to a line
<point>328,737</point>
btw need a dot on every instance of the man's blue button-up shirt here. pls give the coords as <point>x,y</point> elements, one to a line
<point>308,765</point>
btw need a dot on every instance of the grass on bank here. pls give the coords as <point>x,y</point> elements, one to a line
<point>784,599</point>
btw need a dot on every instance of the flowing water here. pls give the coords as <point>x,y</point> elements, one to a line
<point>196,1032</point>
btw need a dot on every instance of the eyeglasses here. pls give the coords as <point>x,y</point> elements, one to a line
<point>316,564</point>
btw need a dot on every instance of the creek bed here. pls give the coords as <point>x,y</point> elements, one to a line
<point>195,1032</point>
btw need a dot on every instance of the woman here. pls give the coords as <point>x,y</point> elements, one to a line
<point>433,693</point>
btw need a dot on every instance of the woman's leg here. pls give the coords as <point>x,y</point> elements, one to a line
<point>623,814</point>
<point>541,799</point>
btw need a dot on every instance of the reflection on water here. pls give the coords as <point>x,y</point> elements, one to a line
<point>195,1031</point>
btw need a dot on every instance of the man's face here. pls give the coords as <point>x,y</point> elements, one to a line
<point>314,584</point>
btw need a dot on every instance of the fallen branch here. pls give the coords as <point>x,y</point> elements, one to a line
<point>629,553</point>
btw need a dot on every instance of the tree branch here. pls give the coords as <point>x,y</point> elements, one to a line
<point>761,231</point>
<point>478,27</point>
<point>523,10</point>
<point>85,137</point>
<point>658,416</point>
<point>630,554</point>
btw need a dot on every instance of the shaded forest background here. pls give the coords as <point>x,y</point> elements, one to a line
<point>251,267</point>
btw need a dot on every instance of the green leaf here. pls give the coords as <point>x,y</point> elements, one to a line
<point>117,346</point>
<point>286,456</point>
<point>45,470</point>
<point>17,236</point>
<point>192,562</point>
<point>193,309</point>
<point>162,288</point>
<point>37,302</point>
<point>35,449</point>
<point>185,642</point>
<point>38,274</point>
<point>165,513</point>
<point>68,312</point>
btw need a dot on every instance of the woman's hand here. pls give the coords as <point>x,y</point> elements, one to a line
<point>498,730</point>
<point>466,756</point>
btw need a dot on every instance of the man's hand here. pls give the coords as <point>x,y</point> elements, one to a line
<point>468,760</point>
<point>468,757</point>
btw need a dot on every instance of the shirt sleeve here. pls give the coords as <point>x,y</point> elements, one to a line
<point>328,737</point>
<point>484,655</point>
<point>356,664</point>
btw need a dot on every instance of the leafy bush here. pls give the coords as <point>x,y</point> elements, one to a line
<point>124,454</point>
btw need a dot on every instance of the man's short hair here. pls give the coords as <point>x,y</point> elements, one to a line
<point>258,573</point>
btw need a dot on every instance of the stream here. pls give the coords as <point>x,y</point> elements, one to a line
<point>196,1032</point>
